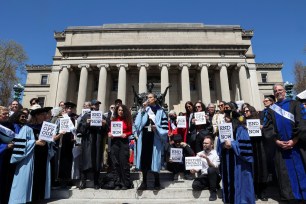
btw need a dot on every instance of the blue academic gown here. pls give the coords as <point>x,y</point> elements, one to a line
<point>290,164</point>
<point>236,169</point>
<point>23,156</point>
<point>160,137</point>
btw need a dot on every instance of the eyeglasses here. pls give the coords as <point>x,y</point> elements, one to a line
<point>227,108</point>
<point>221,105</point>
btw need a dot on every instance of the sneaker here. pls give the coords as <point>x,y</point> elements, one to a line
<point>213,196</point>
<point>142,187</point>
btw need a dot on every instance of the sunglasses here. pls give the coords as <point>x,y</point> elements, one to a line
<point>198,106</point>
<point>221,105</point>
<point>246,111</point>
<point>112,107</point>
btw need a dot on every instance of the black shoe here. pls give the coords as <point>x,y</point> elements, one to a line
<point>82,185</point>
<point>263,197</point>
<point>188,177</point>
<point>124,188</point>
<point>97,187</point>
<point>142,187</point>
<point>117,188</point>
<point>157,187</point>
<point>213,196</point>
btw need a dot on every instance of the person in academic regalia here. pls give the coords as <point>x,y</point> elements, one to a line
<point>92,147</point>
<point>236,159</point>
<point>42,155</point>
<point>260,158</point>
<point>7,169</point>
<point>289,133</point>
<point>23,156</point>
<point>65,151</point>
<point>152,129</point>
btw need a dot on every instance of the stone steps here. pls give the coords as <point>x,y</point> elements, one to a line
<point>172,192</point>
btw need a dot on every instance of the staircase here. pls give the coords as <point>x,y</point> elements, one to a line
<point>172,192</point>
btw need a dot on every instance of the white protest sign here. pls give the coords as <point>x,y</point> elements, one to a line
<point>253,126</point>
<point>193,163</point>
<point>116,128</point>
<point>200,118</point>
<point>48,130</point>
<point>64,125</point>
<point>176,154</point>
<point>225,132</point>
<point>181,121</point>
<point>87,110</point>
<point>96,118</point>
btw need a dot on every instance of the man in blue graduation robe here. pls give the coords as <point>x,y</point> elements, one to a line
<point>288,129</point>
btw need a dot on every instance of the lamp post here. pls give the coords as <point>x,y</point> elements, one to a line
<point>288,88</point>
<point>18,89</point>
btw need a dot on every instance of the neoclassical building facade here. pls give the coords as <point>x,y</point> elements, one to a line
<point>201,62</point>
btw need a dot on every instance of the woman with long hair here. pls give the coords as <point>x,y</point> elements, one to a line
<point>260,159</point>
<point>236,159</point>
<point>189,107</point>
<point>120,148</point>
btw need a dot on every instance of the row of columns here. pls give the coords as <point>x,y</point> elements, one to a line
<point>164,67</point>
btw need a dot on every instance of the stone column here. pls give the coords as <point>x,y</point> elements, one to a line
<point>142,85</point>
<point>205,90</point>
<point>244,82</point>
<point>122,82</point>
<point>164,81</point>
<point>82,86</point>
<point>254,87</point>
<point>102,85</point>
<point>185,82</point>
<point>225,93</point>
<point>63,84</point>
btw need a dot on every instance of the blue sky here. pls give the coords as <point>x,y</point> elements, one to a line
<point>279,25</point>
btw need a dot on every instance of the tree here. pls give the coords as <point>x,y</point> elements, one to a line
<point>12,61</point>
<point>300,77</point>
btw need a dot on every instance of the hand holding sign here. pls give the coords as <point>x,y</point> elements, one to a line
<point>96,118</point>
<point>225,132</point>
<point>116,128</point>
<point>47,132</point>
<point>200,118</point>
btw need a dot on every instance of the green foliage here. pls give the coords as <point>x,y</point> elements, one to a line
<point>12,60</point>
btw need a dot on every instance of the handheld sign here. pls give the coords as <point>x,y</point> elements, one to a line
<point>47,131</point>
<point>253,126</point>
<point>193,163</point>
<point>225,132</point>
<point>176,154</point>
<point>117,128</point>
<point>64,125</point>
<point>6,135</point>
<point>85,111</point>
<point>200,118</point>
<point>181,122</point>
<point>96,118</point>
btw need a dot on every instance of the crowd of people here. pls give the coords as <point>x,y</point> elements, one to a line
<point>30,166</point>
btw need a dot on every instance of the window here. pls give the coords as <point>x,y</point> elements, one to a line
<point>44,79</point>
<point>41,101</point>
<point>264,77</point>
